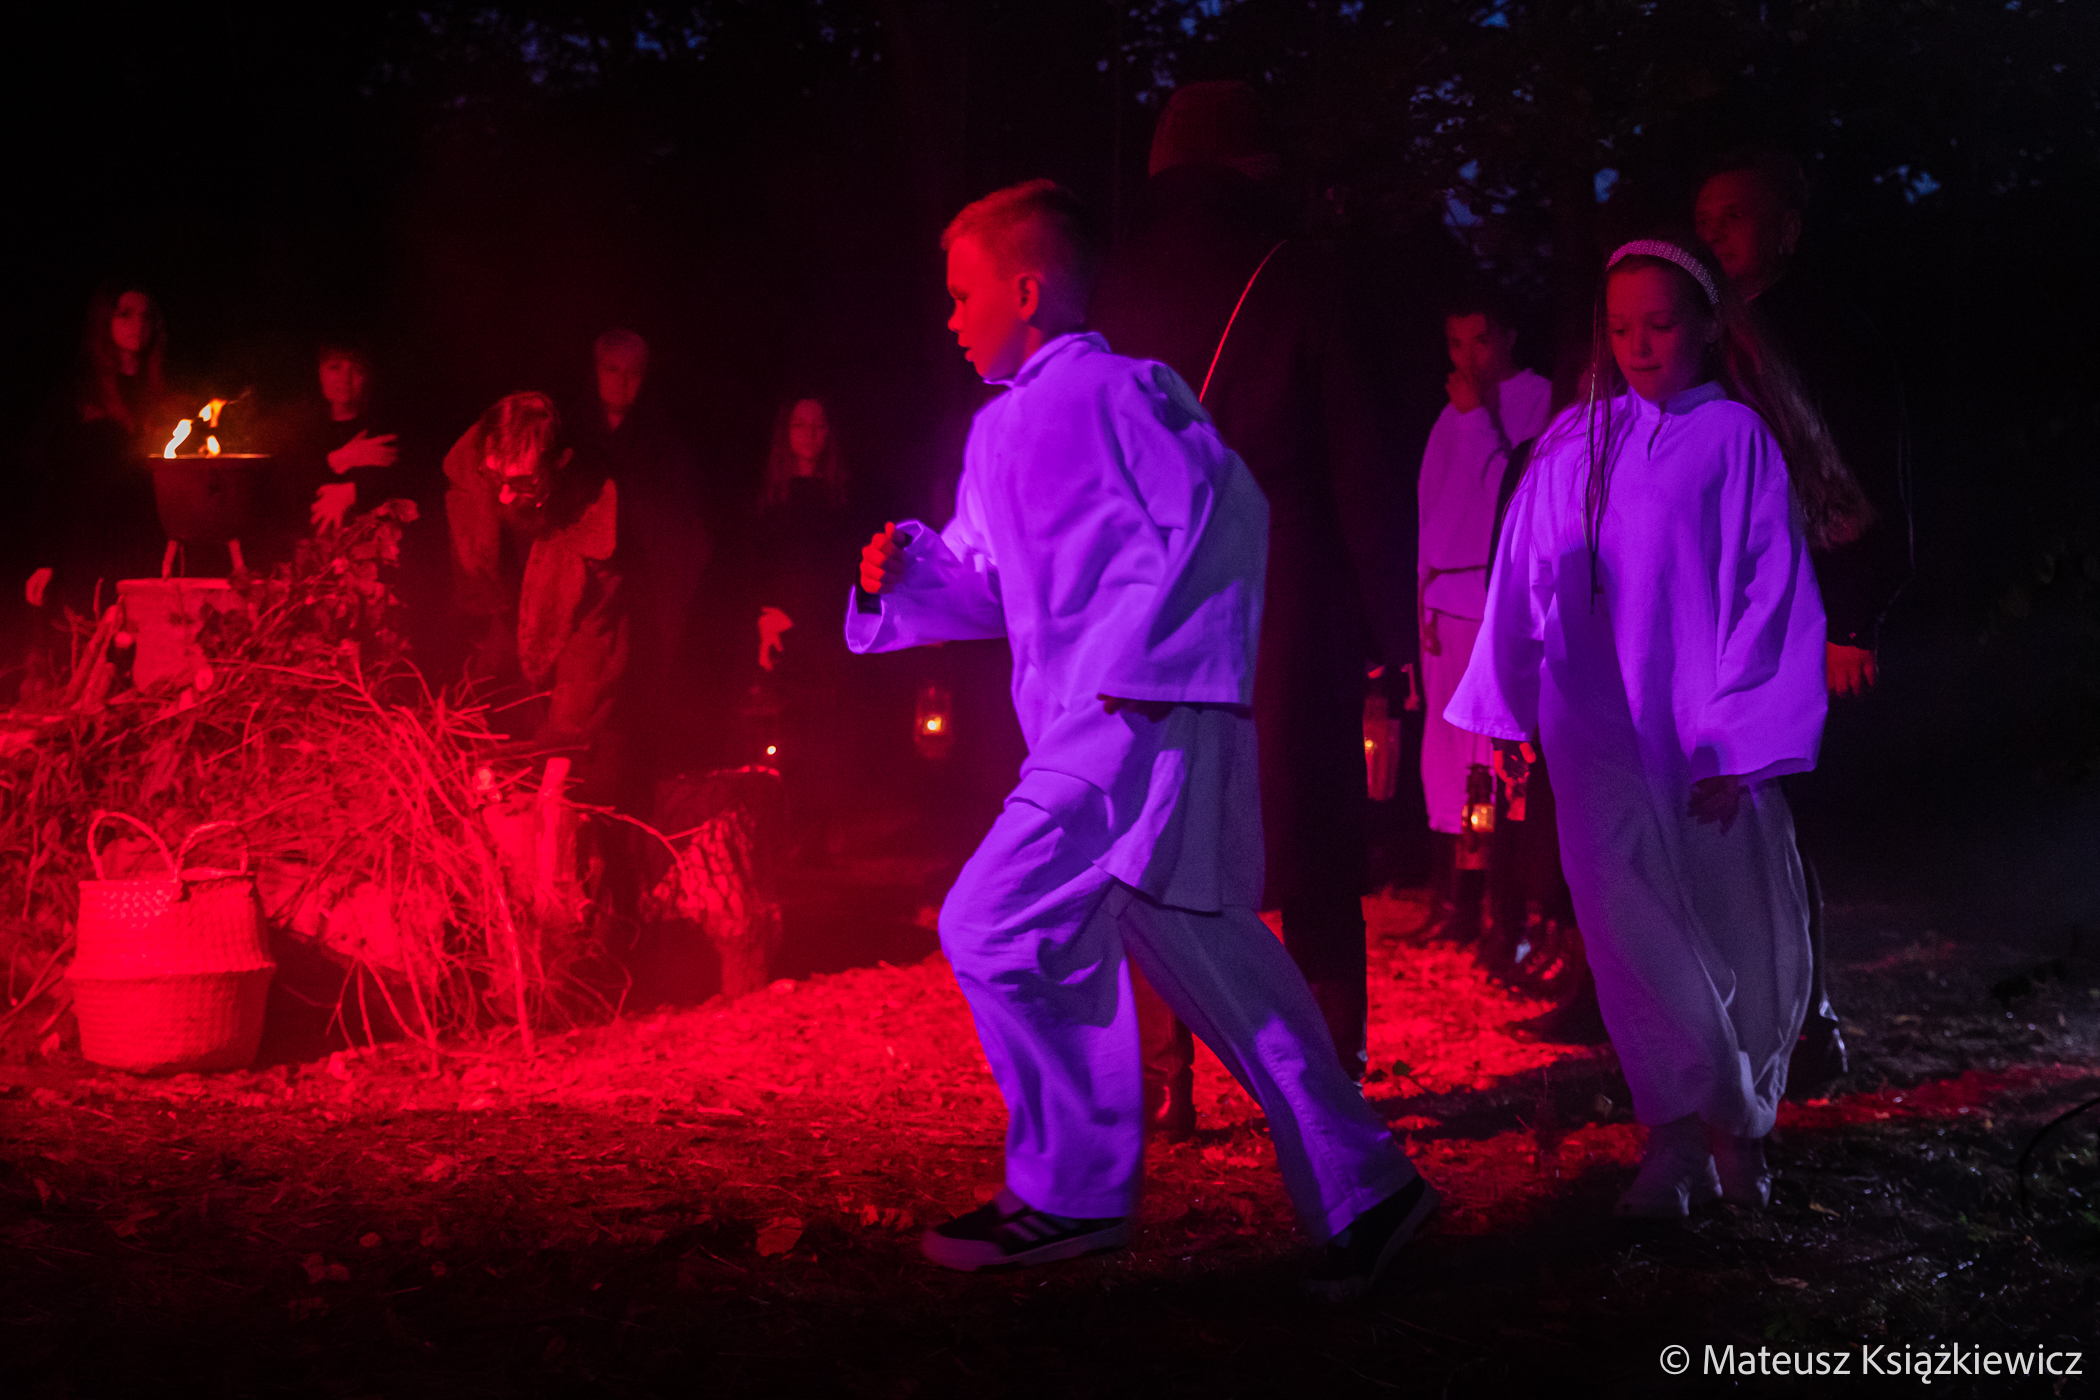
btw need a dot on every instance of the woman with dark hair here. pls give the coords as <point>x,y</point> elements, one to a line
<point>97,521</point>
<point>801,530</point>
<point>1653,624</point>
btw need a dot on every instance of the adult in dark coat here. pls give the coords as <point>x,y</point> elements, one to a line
<point>1291,389</point>
<point>1751,209</point>
<point>627,436</point>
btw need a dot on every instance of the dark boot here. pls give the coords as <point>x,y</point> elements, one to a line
<point>1819,1059</point>
<point>1443,880</point>
<point>1325,937</point>
<point>1168,1059</point>
<point>1460,919</point>
<point>1342,1007</point>
<point>1575,1021</point>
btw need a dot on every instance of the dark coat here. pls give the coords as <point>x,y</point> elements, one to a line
<point>1850,376</point>
<point>666,543</point>
<point>1294,395</point>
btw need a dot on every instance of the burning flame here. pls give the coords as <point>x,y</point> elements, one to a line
<point>210,416</point>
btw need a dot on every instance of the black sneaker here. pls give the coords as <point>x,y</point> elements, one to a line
<point>1355,1260</point>
<point>1006,1232</point>
<point>1818,1061</point>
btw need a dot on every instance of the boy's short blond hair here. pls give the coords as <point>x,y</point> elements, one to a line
<point>1038,226</point>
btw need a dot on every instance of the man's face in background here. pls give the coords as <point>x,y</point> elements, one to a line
<point>1744,220</point>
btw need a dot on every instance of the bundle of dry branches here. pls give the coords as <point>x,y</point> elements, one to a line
<point>363,795</point>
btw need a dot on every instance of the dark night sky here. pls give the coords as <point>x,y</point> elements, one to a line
<point>757,187</point>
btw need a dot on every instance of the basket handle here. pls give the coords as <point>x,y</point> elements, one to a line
<point>182,854</point>
<point>95,852</point>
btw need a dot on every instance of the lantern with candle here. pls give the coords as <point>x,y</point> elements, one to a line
<point>933,722</point>
<point>1477,822</point>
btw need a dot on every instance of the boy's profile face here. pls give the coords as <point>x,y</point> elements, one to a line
<point>1482,350</point>
<point>992,310</point>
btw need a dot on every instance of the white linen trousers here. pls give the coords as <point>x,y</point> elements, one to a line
<point>1038,935</point>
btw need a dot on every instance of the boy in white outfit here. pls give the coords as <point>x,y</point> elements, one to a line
<point>1105,530</point>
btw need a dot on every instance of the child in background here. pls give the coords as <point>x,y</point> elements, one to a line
<point>1495,405</point>
<point>1106,531</point>
<point>1654,619</point>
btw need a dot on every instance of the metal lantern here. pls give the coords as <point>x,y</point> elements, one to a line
<point>1382,744</point>
<point>765,726</point>
<point>1477,823</point>
<point>933,722</point>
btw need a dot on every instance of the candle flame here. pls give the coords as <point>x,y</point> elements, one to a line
<point>182,431</point>
<point>211,447</point>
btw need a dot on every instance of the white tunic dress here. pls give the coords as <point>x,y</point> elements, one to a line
<point>1461,477</point>
<point>1698,653</point>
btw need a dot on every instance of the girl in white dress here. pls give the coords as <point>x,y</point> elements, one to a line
<point>1653,623</point>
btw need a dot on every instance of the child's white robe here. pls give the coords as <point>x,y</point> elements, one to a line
<point>1106,531</point>
<point>1461,478</point>
<point>1699,654</point>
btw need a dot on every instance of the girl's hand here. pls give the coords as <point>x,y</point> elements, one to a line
<point>364,451</point>
<point>330,504</point>
<point>1717,800</point>
<point>882,561</point>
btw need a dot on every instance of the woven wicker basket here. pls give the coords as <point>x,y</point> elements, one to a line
<point>169,1025</point>
<point>171,973</point>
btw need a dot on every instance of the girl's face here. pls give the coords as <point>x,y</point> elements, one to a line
<point>1660,331</point>
<point>343,382</point>
<point>808,433</point>
<point>131,324</point>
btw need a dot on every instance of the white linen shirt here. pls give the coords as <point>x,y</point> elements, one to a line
<point>1106,531</point>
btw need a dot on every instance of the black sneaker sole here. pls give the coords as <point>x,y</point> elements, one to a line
<point>973,1256</point>
<point>1346,1290</point>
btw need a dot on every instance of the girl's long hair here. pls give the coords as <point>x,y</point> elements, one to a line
<point>780,461</point>
<point>101,387</point>
<point>1755,373</point>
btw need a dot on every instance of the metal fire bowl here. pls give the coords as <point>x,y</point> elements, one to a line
<point>209,500</point>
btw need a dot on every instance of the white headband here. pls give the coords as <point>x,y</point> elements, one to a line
<point>1669,253</point>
